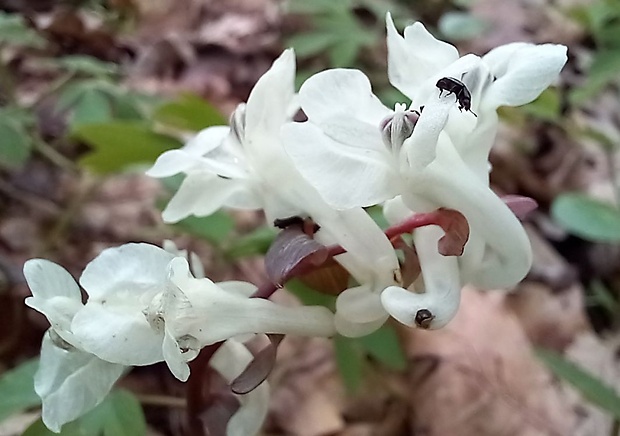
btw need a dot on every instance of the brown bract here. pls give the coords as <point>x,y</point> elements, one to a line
<point>293,252</point>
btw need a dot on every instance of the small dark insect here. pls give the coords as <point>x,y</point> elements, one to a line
<point>306,224</point>
<point>458,88</point>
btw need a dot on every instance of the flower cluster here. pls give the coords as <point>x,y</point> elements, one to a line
<point>144,303</point>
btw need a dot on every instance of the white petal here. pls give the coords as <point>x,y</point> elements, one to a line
<point>59,311</point>
<point>47,279</point>
<point>175,358</point>
<point>360,304</point>
<point>200,194</point>
<point>474,148</point>
<point>421,147</point>
<point>268,103</point>
<point>238,287</point>
<point>173,162</point>
<point>441,281</point>
<point>213,314</point>
<point>71,383</point>
<point>206,140</point>
<point>449,183</point>
<point>416,57</point>
<point>523,71</point>
<point>118,334</point>
<point>396,211</point>
<point>352,329</point>
<point>345,176</point>
<point>55,294</point>
<point>373,253</point>
<point>131,268</point>
<point>332,94</point>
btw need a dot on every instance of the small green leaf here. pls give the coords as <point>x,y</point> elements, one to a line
<point>120,414</point>
<point>189,112</point>
<point>588,385</point>
<point>86,65</point>
<point>385,346</point>
<point>587,217</point>
<point>15,145</point>
<point>215,228</point>
<point>17,389</point>
<point>118,144</point>
<point>376,213</point>
<point>604,69</point>
<point>308,296</point>
<point>311,43</point>
<point>254,243</point>
<point>92,107</point>
<point>459,26</point>
<point>601,296</point>
<point>37,428</point>
<point>350,361</point>
<point>546,106</point>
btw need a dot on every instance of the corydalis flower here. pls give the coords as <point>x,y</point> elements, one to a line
<point>510,75</point>
<point>342,152</point>
<point>246,166</point>
<point>144,306</point>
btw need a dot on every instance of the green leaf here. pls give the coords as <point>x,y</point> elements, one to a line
<point>127,107</point>
<point>311,43</point>
<point>215,228</point>
<point>254,243</point>
<point>17,389</point>
<point>14,31</point>
<point>605,68</point>
<point>86,65</point>
<point>118,144</point>
<point>601,296</point>
<point>37,428</point>
<point>120,414</point>
<point>459,26</point>
<point>189,112</point>
<point>15,144</point>
<point>587,217</point>
<point>350,362</point>
<point>92,107</point>
<point>309,296</point>
<point>385,347</point>
<point>546,107</point>
<point>376,213</point>
<point>589,386</point>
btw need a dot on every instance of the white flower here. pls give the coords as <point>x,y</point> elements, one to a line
<point>144,307</point>
<point>201,312</point>
<point>246,166</point>
<point>69,380</point>
<point>509,75</point>
<point>342,152</point>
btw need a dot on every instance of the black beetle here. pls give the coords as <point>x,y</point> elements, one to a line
<point>305,224</point>
<point>458,88</point>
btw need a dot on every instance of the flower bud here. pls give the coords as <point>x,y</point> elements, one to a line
<point>396,128</point>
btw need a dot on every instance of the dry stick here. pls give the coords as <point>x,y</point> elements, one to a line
<point>196,398</point>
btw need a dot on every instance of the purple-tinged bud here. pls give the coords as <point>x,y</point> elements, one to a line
<point>396,128</point>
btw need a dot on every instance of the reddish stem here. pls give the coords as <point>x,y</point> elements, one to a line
<point>197,388</point>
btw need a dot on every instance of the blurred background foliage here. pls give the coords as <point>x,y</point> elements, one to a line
<point>69,100</point>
